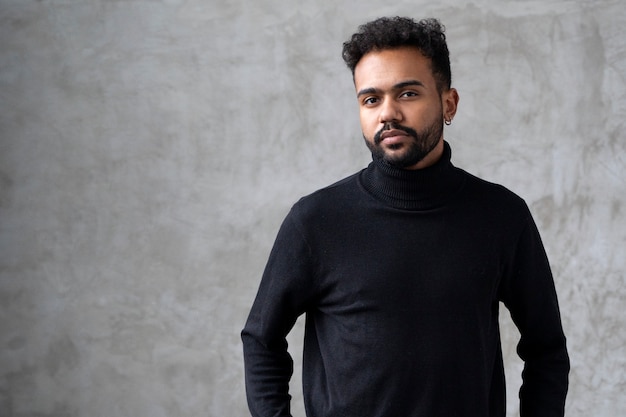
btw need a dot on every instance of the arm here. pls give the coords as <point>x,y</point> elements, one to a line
<point>284,290</point>
<point>528,292</point>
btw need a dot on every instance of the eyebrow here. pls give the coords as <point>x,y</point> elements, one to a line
<point>398,86</point>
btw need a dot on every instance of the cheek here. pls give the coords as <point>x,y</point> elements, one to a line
<point>369,123</point>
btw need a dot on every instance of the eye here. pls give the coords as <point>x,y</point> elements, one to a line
<point>409,94</point>
<point>370,101</point>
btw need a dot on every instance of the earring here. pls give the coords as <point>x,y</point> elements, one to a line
<point>448,122</point>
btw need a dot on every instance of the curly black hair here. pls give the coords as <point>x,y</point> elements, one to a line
<point>427,36</point>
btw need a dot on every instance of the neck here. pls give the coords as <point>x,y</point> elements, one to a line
<point>415,189</point>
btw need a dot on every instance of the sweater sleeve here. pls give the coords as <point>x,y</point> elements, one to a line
<point>285,287</point>
<point>529,293</point>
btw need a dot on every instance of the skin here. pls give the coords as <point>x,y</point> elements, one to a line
<point>396,88</point>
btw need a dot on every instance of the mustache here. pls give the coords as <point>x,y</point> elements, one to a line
<point>394,126</point>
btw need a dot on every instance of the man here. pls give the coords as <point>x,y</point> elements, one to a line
<point>400,268</point>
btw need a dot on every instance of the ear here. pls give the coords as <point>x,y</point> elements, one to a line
<point>450,101</point>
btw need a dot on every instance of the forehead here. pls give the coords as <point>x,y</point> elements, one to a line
<point>383,68</point>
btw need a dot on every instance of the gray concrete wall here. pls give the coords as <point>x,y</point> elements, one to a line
<point>150,149</point>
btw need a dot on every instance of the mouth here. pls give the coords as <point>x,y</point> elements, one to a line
<point>392,136</point>
<point>392,133</point>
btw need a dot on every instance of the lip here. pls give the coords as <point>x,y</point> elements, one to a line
<point>393,135</point>
<point>393,132</point>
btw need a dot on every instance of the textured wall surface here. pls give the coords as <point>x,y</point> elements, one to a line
<point>150,149</point>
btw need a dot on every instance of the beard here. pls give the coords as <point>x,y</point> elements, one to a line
<point>422,144</point>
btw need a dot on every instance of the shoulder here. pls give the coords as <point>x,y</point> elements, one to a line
<point>493,196</point>
<point>340,190</point>
<point>328,200</point>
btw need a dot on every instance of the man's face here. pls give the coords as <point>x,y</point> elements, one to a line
<point>400,108</point>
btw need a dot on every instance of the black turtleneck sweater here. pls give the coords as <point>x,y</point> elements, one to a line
<point>400,274</point>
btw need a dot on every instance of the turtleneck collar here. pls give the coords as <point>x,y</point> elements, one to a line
<point>413,189</point>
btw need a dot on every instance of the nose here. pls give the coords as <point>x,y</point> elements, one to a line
<point>390,111</point>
